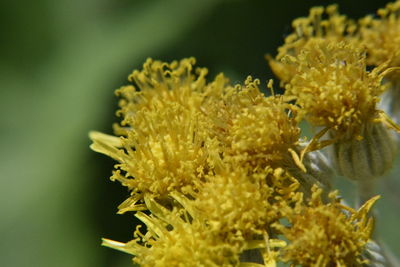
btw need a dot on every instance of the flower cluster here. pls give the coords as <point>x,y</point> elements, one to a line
<point>221,175</point>
<point>329,70</point>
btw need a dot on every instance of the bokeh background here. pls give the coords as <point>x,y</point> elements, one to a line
<point>60,62</point>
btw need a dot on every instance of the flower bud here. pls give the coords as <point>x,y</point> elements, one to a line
<point>366,158</point>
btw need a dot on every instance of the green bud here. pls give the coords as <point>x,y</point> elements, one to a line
<point>367,158</point>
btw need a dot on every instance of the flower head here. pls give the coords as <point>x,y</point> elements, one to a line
<point>236,205</point>
<point>254,131</point>
<point>334,27</point>
<point>381,36</point>
<point>183,236</point>
<point>159,83</point>
<point>261,135</point>
<point>165,143</point>
<point>334,88</point>
<point>326,234</point>
<point>174,238</point>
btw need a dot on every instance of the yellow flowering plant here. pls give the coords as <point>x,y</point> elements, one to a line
<point>221,175</point>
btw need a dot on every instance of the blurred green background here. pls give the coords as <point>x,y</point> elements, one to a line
<point>60,62</point>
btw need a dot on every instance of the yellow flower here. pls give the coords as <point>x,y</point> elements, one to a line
<point>334,88</point>
<point>335,92</point>
<point>381,36</point>
<point>178,237</point>
<point>323,66</point>
<point>253,130</point>
<point>222,103</point>
<point>326,234</point>
<point>165,144</point>
<point>335,28</point>
<point>236,204</point>
<point>221,171</point>
<point>159,83</point>
<point>261,135</point>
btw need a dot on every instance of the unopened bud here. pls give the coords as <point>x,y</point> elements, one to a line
<point>367,158</point>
